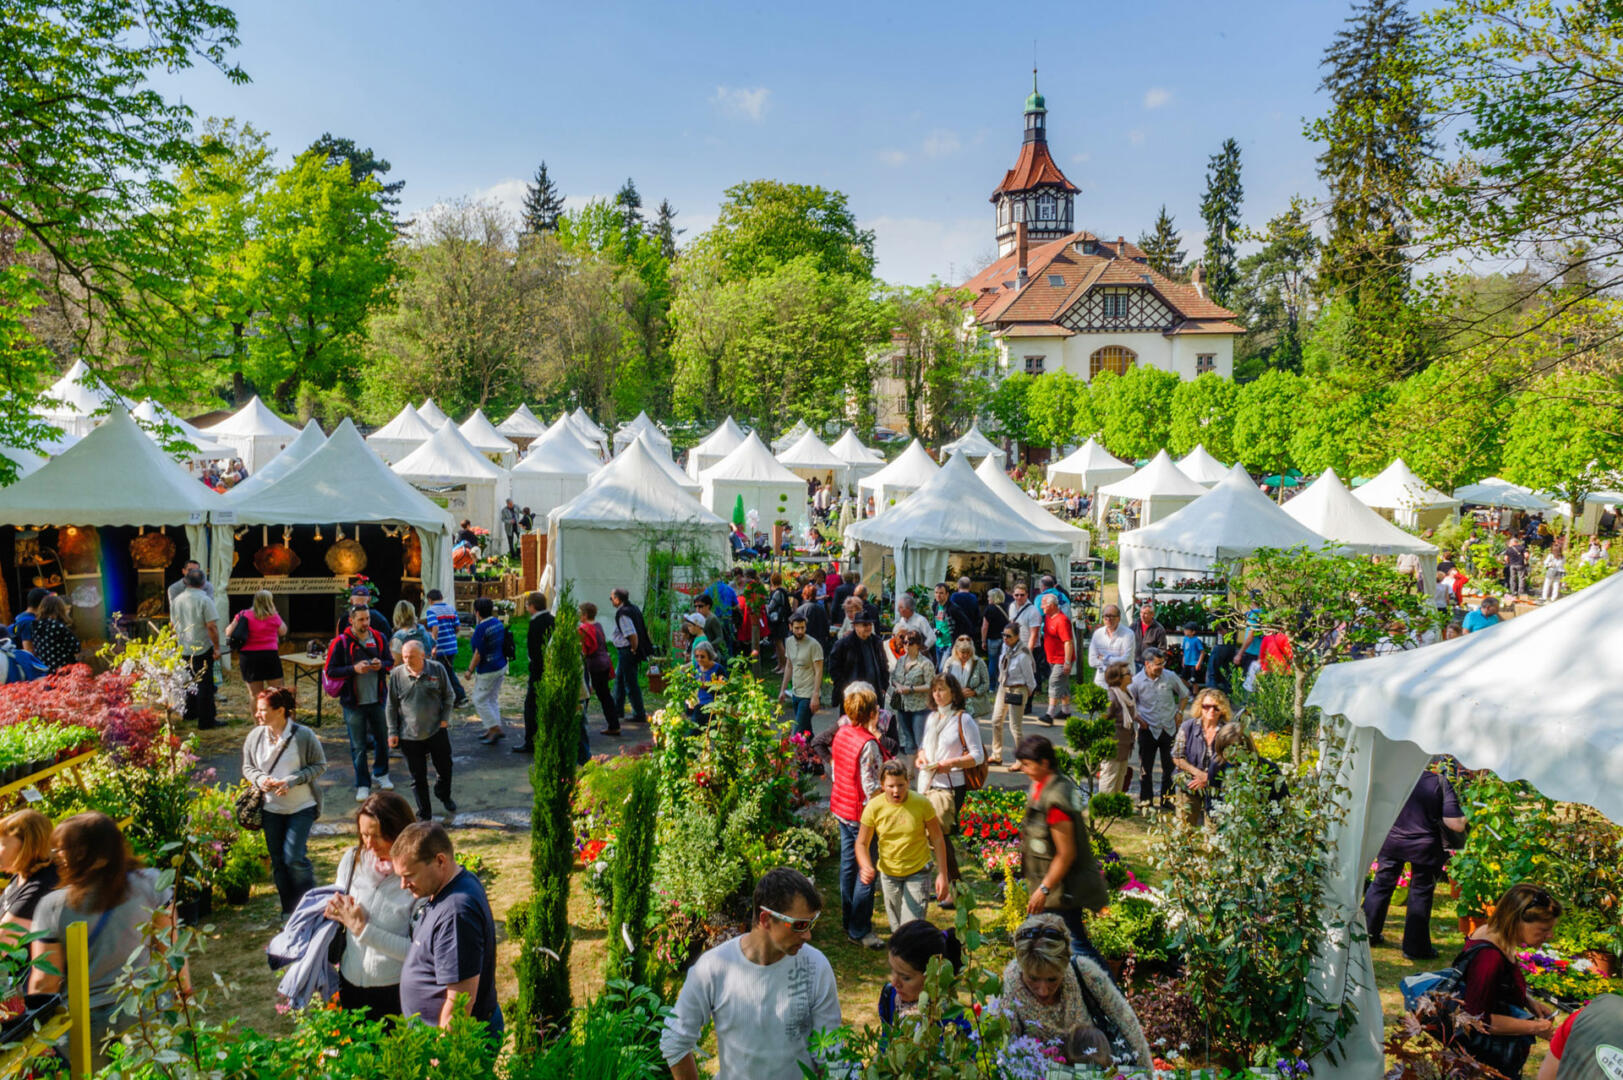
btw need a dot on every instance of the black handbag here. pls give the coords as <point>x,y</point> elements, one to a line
<point>340,937</point>
<point>237,635</point>
<point>250,807</point>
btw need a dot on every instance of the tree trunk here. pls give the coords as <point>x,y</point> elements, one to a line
<point>1298,714</point>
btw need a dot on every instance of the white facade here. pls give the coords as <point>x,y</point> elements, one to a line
<point>1181,354</point>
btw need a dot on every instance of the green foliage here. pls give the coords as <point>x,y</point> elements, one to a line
<point>942,370</point>
<point>1220,210</point>
<point>1202,413</point>
<point>1338,428</point>
<point>1581,577</point>
<point>1009,409</point>
<point>616,1037</point>
<point>1276,287</point>
<point>1561,436</point>
<point>543,203</point>
<point>1134,410</point>
<point>766,223</point>
<point>1054,408</point>
<point>632,874</point>
<point>1160,246</point>
<point>1107,809</point>
<point>1130,928</point>
<point>1266,415</point>
<point>1512,832</point>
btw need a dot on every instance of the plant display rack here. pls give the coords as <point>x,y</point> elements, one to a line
<point>1177,585</point>
<point>71,1019</point>
<point>69,766</point>
<point>1086,584</point>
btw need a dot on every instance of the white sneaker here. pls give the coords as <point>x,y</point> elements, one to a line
<point>362,794</point>
<point>384,782</point>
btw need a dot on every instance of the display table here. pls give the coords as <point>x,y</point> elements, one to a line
<point>307,668</point>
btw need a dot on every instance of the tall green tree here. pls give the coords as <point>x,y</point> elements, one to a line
<point>1277,285</point>
<point>1134,409</point>
<point>665,230</point>
<point>1564,434</point>
<point>944,372</point>
<point>632,878</point>
<point>363,165</point>
<point>1266,413</point>
<point>1052,404</point>
<point>1009,408</point>
<point>1220,210</point>
<point>1202,413</point>
<point>765,222</point>
<point>1161,246</point>
<point>543,203</point>
<point>629,202</point>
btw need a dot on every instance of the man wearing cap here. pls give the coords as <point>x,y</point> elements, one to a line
<point>859,657</point>
<point>361,597</point>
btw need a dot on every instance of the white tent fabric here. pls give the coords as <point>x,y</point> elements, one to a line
<point>151,414</point>
<point>908,473</point>
<point>256,433</point>
<point>602,538</point>
<point>1230,521</point>
<point>808,457</point>
<point>972,445</point>
<point>1478,697</point>
<point>662,457</point>
<point>75,400</point>
<point>642,425</point>
<point>483,437</point>
<point>1330,510</point>
<point>1409,499</point>
<point>991,472</point>
<point>1087,467</point>
<point>1496,492</point>
<point>523,424</point>
<point>588,425</point>
<point>432,414</point>
<point>952,511</point>
<point>555,469</point>
<point>447,462</point>
<point>400,436</point>
<point>55,444</point>
<point>1201,467</point>
<point>751,472</point>
<point>860,460</point>
<point>568,425</point>
<point>117,475</point>
<point>1160,488</point>
<point>715,446</point>
<point>26,460</point>
<point>790,437</point>
<point>345,482</point>
<point>308,442</point>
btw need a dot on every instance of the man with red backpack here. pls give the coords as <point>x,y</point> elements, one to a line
<point>359,660</point>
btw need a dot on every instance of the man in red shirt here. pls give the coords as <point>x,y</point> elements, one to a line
<point>1059,649</point>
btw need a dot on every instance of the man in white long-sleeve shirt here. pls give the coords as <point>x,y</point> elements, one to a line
<point>767,991</point>
<point>1110,644</point>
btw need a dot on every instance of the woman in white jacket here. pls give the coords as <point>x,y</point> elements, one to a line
<point>952,743</point>
<point>374,913</point>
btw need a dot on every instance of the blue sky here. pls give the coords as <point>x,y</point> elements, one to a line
<point>912,109</point>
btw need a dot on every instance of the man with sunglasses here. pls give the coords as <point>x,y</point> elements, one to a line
<point>766,991</point>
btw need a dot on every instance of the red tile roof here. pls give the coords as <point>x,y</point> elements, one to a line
<point>1032,168</point>
<point>1037,330</point>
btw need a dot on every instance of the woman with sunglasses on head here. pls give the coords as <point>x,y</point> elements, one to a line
<point>1192,752</point>
<point>951,745</point>
<point>1052,994</point>
<point>911,679</point>
<point>1016,682</point>
<point>912,947</point>
<point>1495,988</point>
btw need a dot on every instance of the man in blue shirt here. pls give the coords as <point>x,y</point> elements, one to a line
<point>487,667</point>
<point>1194,654</point>
<point>1486,615</point>
<point>441,620</point>
<point>453,944</point>
<point>22,630</point>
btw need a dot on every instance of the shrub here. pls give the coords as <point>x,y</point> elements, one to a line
<point>632,872</point>
<point>1130,927</point>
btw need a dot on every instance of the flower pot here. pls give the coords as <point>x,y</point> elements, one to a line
<point>1605,963</point>
<point>1470,924</point>
<point>237,895</point>
<point>193,911</point>
<point>656,681</point>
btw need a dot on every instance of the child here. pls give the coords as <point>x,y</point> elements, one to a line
<point>1194,654</point>
<point>911,948</point>
<point>711,674</point>
<point>908,831</point>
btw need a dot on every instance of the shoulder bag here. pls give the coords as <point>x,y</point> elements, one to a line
<point>975,775</point>
<point>340,936</point>
<point>250,807</point>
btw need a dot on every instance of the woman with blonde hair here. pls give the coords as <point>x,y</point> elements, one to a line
<point>407,628</point>
<point>1052,994</point>
<point>25,854</point>
<point>1192,751</point>
<point>260,655</point>
<point>970,671</point>
<point>1117,773</point>
<point>1495,988</point>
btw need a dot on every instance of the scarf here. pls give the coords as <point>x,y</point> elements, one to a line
<point>1033,1017</point>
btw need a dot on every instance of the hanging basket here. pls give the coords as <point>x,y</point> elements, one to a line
<point>346,558</point>
<point>277,560</point>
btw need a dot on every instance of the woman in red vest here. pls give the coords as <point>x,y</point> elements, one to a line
<point>855,775</point>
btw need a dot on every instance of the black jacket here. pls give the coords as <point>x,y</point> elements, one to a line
<point>816,617</point>
<point>345,652</point>
<point>535,642</point>
<point>855,660</point>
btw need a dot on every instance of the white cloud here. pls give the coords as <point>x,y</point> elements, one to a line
<point>1136,138</point>
<point>893,158</point>
<point>743,101</point>
<point>507,194</point>
<point>913,250</point>
<point>1157,96</point>
<point>1081,157</point>
<point>941,143</point>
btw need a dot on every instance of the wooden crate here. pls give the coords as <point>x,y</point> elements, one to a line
<point>465,591</point>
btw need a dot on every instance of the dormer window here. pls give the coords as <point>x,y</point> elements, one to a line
<point>1045,208</point>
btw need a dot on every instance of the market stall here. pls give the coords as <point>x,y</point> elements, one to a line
<point>256,433</point>
<point>911,470</point>
<point>809,458</point>
<point>752,474</point>
<point>453,474</point>
<point>152,416</point>
<point>1014,497</point>
<point>1405,498</point>
<point>482,435</point>
<point>860,460</point>
<point>1201,467</point>
<point>1504,701</point>
<point>74,400</point>
<point>972,444</point>
<point>109,523</point>
<point>522,427</point>
<point>1087,467</point>
<point>642,425</point>
<point>556,468</point>
<point>1160,488</point>
<point>308,442</point>
<point>714,446</point>
<point>788,438</point>
<point>1330,510</point>
<point>400,436</point>
<point>1505,495</point>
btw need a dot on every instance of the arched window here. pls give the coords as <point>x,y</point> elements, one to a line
<point>1117,358</point>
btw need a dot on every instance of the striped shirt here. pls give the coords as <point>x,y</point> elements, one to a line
<point>442,622</point>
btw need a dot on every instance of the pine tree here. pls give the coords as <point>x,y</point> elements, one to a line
<point>630,204</point>
<point>665,229</point>
<point>362,164</point>
<point>1220,209</point>
<point>542,203</point>
<point>1161,246</point>
<point>633,878</point>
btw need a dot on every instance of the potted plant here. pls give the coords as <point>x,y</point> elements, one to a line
<point>656,675</point>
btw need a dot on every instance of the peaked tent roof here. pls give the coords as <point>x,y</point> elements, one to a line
<point>849,448</point>
<point>483,436</point>
<point>150,412</point>
<point>26,460</point>
<point>1396,487</point>
<point>954,510</point>
<point>634,491</point>
<point>1201,467</point>
<point>75,395</point>
<point>790,437</point>
<point>911,470</point>
<point>116,475</point>
<point>642,425</point>
<point>662,457</point>
<point>431,413</point>
<point>1159,477</point>
<point>751,462</point>
<point>1496,492</point>
<point>560,450</point>
<point>972,443</point>
<point>568,425</point>
<point>1093,464</point>
<point>727,437</point>
<point>408,425</point>
<point>810,452</point>
<point>447,456</point>
<point>992,475</point>
<point>308,442</point>
<point>523,424</point>
<point>254,418</point>
<point>1330,510</point>
<point>587,424</point>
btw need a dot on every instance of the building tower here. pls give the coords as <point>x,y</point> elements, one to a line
<point>1035,192</point>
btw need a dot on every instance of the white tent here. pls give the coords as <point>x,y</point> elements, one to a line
<point>1406,498</point>
<point>788,438</point>
<point>715,446</point>
<point>432,414</point>
<point>344,482</point>
<point>662,457</point>
<point>1086,467</point>
<point>523,424</point>
<point>911,470</point>
<point>952,511</point>
<point>809,458</point>
<point>555,469</point>
<point>308,442</point>
<point>26,460</point>
<point>1330,510</point>
<point>751,471</point>
<point>483,437</point>
<point>1230,521</point>
<point>1159,487</point>
<point>642,425</point>
<point>117,475</point>
<point>1505,700</point>
<point>75,399</point>
<point>586,431</point>
<point>588,425</point>
<point>991,472</point>
<point>55,444</point>
<point>152,415</point>
<point>1496,492</point>
<point>602,538</point>
<point>400,436</point>
<point>1201,467</point>
<point>448,467</point>
<point>568,425</point>
<point>860,460</point>
<point>256,433</point>
<point>972,444</point>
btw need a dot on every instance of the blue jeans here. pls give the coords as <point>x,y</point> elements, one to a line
<point>449,664</point>
<point>994,651</point>
<point>627,686</point>
<point>1081,944</point>
<point>803,715</point>
<point>856,899</point>
<point>363,722</point>
<point>911,723</point>
<point>286,836</point>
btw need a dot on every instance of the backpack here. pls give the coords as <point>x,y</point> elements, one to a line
<point>509,643</point>
<point>1443,989</point>
<point>645,645</point>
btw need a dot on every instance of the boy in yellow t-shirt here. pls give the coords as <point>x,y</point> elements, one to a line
<point>908,831</point>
